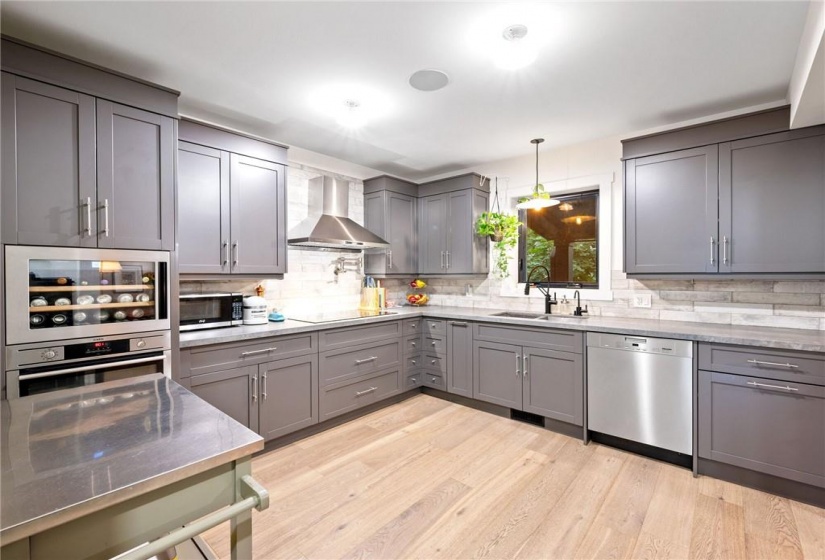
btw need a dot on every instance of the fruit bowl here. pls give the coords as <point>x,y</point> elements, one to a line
<point>417,300</point>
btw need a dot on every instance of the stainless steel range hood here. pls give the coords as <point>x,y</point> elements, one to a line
<point>327,226</point>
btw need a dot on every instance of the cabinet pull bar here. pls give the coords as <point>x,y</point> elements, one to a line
<point>365,360</point>
<point>442,259</point>
<point>712,262</point>
<point>389,257</point>
<point>459,323</point>
<point>518,364</point>
<point>725,249</point>
<point>225,252</point>
<point>235,251</point>
<point>106,217</point>
<point>364,392</point>
<point>524,367</point>
<point>448,259</point>
<point>88,229</point>
<point>761,363</point>
<point>254,388</point>
<point>263,385</point>
<point>765,385</point>
<point>264,351</point>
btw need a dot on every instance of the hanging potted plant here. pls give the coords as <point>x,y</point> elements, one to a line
<point>502,229</point>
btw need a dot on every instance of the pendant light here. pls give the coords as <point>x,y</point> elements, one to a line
<point>540,198</point>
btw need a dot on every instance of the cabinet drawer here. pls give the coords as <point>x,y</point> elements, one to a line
<point>340,365</point>
<point>435,344</point>
<point>204,359</point>
<point>349,336</point>
<point>412,326</point>
<point>412,362</point>
<point>434,363</point>
<point>432,379</point>
<point>412,344</point>
<point>549,339</point>
<point>412,381</point>
<point>335,401</point>
<point>436,327</point>
<point>801,367</point>
<point>770,426</point>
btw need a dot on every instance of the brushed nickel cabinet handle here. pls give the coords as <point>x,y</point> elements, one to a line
<point>459,323</point>
<point>264,351</point>
<point>766,386</point>
<point>725,249</point>
<point>761,363</point>
<point>263,385</point>
<point>442,259</point>
<point>413,343</point>
<point>433,342</point>
<point>448,259</point>
<point>413,362</point>
<point>389,259</point>
<point>432,362</point>
<point>712,261</point>
<point>254,388</point>
<point>106,217</point>
<point>370,390</point>
<point>365,360</point>
<point>524,367</point>
<point>88,204</point>
<point>225,252</point>
<point>235,252</point>
<point>518,365</point>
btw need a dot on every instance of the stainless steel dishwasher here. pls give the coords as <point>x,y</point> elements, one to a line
<point>639,391</point>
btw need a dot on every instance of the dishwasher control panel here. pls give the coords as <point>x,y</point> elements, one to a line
<point>649,345</point>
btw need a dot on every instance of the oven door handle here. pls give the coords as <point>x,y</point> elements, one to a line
<point>90,368</point>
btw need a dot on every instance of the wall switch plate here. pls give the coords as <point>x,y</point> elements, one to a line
<point>642,300</point>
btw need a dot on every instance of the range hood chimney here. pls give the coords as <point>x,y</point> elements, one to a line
<point>327,226</point>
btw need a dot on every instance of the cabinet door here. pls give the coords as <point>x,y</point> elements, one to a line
<point>258,222</point>
<point>376,261</point>
<point>671,212</point>
<point>288,396</point>
<point>774,427</point>
<point>466,252</point>
<point>48,165</point>
<point>497,373</point>
<point>135,178</point>
<point>553,384</point>
<point>233,391</point>
<point>460,358</point>
<point>432,233</point>
<point>772,203</point>
<point>400,212</point>
<point>203,209</point>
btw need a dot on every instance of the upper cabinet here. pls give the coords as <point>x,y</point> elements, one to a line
<point>84,172</point>
<point>447,211</point>
<point>232,203</point>
<point>390,211</point>
<point>751,205</point>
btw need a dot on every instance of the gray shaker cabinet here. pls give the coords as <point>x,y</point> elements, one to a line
<point>432,233</point>
<point>232,208</point>
<point>232,391</point>
<point>553,384</point>
<point>497,373</point>
<point>48,164</point>
<point>392,216</point>
<point>772,203</point>
<point>288,396</point>
<point>84,172</point>
<point>671,212</point>
<point>460,358</point>
<point>774,427</point>
<point>446,239</point>
<point>135,178</point>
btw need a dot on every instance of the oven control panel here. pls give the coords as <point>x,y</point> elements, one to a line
<point>83,349</point>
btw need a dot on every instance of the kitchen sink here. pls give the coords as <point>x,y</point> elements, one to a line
<point>520,315</point>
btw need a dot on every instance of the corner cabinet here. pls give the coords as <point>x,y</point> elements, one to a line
<point>80,171</point>
<point>745,206</point>
<point>447,211</point>
<point>390,211</point>
<point>232,206</point>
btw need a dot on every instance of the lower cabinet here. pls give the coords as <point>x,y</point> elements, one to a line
<point>460,358</point>
<point>536,380</point>
<point>770,426</point>
<point>273,398</point>
<point>345,397</point>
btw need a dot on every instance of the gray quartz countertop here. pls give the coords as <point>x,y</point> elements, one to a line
<point>68,453</point>
<point>767,337</point>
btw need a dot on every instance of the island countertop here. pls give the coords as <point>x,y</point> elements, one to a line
<point>68,453</point>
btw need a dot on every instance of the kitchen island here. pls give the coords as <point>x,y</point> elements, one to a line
<point>93,472</point>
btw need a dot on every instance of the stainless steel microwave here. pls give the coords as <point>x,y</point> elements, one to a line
<point>207,311</point>
<point>63,293</point>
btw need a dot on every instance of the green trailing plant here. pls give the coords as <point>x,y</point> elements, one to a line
<point>502,229</point>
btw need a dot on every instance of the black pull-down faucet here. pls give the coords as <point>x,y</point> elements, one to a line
<point>548,301</point>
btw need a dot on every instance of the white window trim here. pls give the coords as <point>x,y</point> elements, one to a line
<point>511,288</point>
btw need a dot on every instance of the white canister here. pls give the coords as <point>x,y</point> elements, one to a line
<point>254,310</point>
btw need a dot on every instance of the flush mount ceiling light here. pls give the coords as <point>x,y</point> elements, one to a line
<point>578,220</point>
<point>429,80</point>
<point>539,198</point>
<point>350,106</point>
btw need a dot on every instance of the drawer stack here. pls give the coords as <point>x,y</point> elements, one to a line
<point>434,353</point>
<point>763,410</point>
<point>412,342</point>
<point>358,366</point>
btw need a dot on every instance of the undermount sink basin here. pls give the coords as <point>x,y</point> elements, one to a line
<point>520,315</point>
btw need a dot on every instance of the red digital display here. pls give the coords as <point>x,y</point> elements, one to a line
<point>100,344</point>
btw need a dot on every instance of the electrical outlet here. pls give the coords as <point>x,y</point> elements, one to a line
<point>642,300</point>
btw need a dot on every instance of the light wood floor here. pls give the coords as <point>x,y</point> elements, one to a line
<point>429,479</point>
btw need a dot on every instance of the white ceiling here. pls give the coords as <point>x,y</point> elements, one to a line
<point>608,68</point>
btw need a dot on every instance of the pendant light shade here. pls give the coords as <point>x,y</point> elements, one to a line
<point>539,198</point>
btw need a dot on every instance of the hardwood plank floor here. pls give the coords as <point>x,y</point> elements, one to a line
<point>426,478</point>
